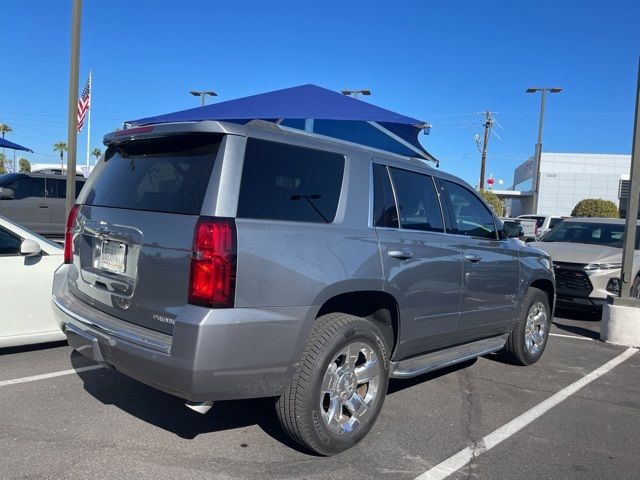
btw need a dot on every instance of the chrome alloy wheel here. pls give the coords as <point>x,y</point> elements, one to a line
<point>536,327</point>
<point>349,388</point>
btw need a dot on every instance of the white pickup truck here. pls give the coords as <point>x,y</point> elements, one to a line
<point>528,225</point>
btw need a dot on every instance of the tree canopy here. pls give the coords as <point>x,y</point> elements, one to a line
<point>494,201</point>
<point>24,165</point>
<point>595,207</point>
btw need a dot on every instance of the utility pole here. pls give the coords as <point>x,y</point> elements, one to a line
<point>488,123</point>
<point>72,123</point>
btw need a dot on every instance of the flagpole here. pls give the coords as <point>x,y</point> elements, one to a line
<point>89,123</point>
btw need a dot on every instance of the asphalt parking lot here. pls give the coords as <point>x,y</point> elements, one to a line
<point>501,421</point>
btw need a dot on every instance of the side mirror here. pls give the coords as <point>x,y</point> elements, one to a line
<point>29,248</point>
<point>7,193</point>
<point>513,229</point>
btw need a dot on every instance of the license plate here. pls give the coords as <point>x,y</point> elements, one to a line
<point>113,256</point>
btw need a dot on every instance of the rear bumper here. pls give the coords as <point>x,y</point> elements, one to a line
<point>213,354</point>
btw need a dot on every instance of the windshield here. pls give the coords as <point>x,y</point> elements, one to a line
<point>166,174</point>
<point>40,238</point>
<point>605,234</point>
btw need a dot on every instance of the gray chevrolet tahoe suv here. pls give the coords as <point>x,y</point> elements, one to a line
<point>220,261</point>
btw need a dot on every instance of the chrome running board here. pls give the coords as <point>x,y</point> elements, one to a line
<point>443,358</point>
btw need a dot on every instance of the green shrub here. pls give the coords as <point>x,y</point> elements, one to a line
<point>492,199</point>
<point>595,207</point>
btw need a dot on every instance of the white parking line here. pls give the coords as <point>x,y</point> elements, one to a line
<point>578,337</point>
<point>44,376</point>
<point>463,457</point>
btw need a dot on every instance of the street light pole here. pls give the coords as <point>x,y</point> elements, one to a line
<point>202,94</point>
<point>72,122</point>
<point>355,93</point>
<point>538,152</point>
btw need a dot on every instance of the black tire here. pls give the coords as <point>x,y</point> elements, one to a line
<point>635,289</point>
<point>300,409</point>
<point>516,349</point>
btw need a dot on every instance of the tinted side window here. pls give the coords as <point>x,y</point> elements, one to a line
<point>471,217</point>
<point>27,187</point>
<point>286,182</point>
<point>62,188</point>
<point>417,200</point>
<point>385,213</point>
<point>79,185</point>
<point>51,187</point>
<point>9,243</point>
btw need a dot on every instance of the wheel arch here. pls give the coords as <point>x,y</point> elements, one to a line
<point>377,306</point>
<point>548,288</point>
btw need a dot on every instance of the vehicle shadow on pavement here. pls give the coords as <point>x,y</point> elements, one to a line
<point>32,348</point>
<point>169,413</point>
<point>581,331</point>
<point>580,315</point>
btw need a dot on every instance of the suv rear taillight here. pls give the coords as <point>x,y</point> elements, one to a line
<point>213,263</point>
<point>68,235</point>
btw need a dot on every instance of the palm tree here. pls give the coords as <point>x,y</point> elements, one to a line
<point>96,152</point>
<point>4,128</point>
<point>60,147</point>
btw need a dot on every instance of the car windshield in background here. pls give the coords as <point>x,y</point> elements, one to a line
<point>554,221</point>
<point>606,234</point>
<point>168,174</point>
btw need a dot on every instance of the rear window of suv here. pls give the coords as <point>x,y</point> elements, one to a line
<point>286,182</point>
<point>165,174</point>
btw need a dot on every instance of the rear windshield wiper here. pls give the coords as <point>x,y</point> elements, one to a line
<point>309,199</point>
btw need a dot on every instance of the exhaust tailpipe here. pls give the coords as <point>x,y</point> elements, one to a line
<point>200,407</point>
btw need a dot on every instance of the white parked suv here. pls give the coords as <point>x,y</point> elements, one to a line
<point>587,258</point>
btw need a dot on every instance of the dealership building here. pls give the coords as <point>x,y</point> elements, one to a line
<point>565,179</point>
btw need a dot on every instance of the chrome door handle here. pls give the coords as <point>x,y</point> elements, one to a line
<point>472,258</point>
<point>43,205</point>
<point>401,254</point>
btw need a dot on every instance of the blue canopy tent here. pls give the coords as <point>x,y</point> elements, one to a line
<point>318,110</point>
<point>13,146</point>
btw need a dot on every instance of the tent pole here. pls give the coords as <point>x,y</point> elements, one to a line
<point>308,125</point>
<point>403,142</point>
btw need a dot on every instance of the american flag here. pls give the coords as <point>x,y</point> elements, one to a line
<point>84,104</point>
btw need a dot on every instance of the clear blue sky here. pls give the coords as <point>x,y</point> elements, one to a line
<point>442,62</point>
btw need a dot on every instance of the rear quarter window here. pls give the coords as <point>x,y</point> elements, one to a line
<point>287,182</point>
<point>167,174</point>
